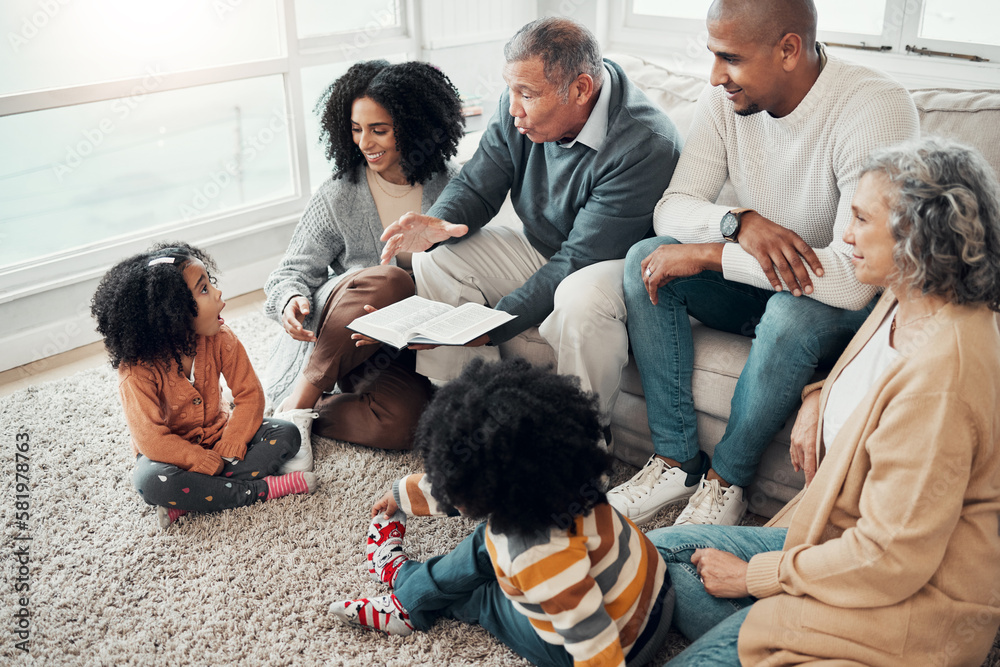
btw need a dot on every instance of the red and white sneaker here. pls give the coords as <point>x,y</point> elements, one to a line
<point>383,613</point>
<point>384,548</point>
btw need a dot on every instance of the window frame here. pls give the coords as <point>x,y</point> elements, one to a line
<point>681,43</point>
<point>38,275</point>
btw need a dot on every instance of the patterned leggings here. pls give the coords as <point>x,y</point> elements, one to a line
<point>239,483</point>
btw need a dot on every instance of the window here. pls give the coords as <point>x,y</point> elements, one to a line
<point>968,25</point>
<point>694,9</point>
<point>318,17</point>
<point>78,175</point>
<point>57,43</point>
<point>127,120</point>
<point>911,28</point>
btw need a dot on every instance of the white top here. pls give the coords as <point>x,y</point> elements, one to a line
<point>391,202</point>
<point>857,378</point>
<point>799,171</point>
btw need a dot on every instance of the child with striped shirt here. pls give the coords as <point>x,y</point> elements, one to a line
<point>554,571</point>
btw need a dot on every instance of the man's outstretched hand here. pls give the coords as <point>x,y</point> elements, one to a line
<point>414,232</point>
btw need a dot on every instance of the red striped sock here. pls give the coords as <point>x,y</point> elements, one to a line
<point>282,485</point>
<point>166,516</point>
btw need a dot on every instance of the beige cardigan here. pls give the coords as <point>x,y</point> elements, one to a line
<point>892,555</point>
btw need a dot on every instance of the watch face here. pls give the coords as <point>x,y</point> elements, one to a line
<point>730,223</point>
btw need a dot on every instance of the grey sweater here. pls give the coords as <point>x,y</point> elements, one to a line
<point>579,206</point>
<point>337,235</point>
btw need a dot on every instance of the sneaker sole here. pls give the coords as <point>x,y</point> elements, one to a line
<point>646,516</point>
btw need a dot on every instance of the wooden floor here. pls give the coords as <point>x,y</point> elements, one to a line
<point>93,355</point>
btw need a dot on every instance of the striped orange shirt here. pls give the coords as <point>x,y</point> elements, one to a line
<point>590,589</point>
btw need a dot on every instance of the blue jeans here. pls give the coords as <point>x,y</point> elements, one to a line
<point>713,624</point>
<point>793,335</point>
<point>463,585</point>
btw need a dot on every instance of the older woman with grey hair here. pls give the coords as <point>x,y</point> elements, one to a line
<point>890,555</point>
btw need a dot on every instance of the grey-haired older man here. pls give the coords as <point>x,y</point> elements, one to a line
<point>584,156</point>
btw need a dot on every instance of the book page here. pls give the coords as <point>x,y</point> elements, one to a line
<point>462,324</point>
<point>397,320</point>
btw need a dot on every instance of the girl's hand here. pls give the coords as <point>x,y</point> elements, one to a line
<point>292,317</point>
<point>385,505</point>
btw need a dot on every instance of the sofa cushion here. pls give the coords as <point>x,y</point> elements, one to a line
<point>675,93</point>
<point>969,116</point>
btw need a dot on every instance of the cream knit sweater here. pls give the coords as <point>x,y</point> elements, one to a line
<point>799,171</point>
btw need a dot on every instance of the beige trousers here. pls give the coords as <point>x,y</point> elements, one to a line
<point>586,328</point>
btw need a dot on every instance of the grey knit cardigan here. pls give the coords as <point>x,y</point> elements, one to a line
<point>337,235</point>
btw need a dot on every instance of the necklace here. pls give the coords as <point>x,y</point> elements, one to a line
<point>916,319</point>
<point>387,193</point>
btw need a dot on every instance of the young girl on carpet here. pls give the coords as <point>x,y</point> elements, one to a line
<point>160,315</point>
<point>554,572</point>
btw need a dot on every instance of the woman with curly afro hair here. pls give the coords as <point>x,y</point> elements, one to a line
<point>160,314</point>
<point>554,571</point>
<point>389,132</point>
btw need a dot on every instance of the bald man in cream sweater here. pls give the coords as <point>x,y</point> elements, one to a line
<point>790,126</point>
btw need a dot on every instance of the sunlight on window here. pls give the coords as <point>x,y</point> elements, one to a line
<point>679,9</point>
<point>78,175</point>
<point>314,81</point>
<point>53,43</point>
<point>371,17</point>
<point>859,16</point>
<point>971,21</point>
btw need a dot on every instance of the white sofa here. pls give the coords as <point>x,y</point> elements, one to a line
<point>972,117</point>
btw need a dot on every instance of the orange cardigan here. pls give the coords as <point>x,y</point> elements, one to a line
<point>188,426</point>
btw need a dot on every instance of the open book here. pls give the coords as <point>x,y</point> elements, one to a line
<point>419,320</point>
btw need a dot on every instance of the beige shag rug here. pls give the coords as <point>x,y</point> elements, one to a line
<point>103,585</point>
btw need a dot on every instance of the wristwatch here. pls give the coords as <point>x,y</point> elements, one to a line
<point>730,225</point>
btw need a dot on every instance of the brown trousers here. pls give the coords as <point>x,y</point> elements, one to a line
<point>382,396</point>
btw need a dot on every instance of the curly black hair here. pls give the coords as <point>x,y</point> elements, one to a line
<point>426,116</point>
<point>145,311</point>
<point>516,444</point>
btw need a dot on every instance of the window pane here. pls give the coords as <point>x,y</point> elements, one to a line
<point>52,43</point>
<point>318,17</point>
<point>679,9</point>
<point>80,175</point>
<point>857,16</point>
<point>972,21</point>
<point>314,81</point>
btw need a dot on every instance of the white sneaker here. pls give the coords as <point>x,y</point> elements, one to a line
<point>714,504</point>
<point>652,488</point>
<point>303,459</point>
